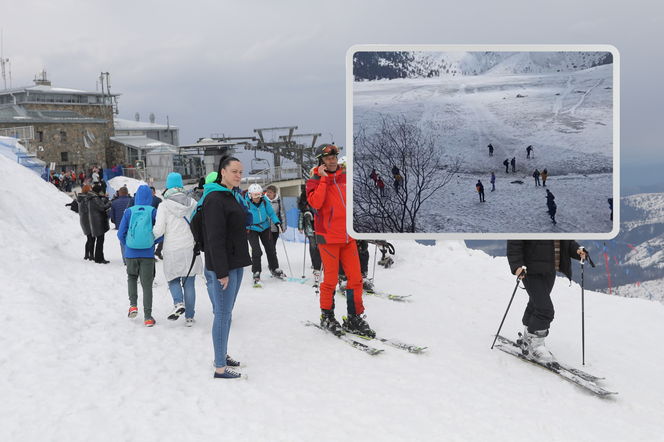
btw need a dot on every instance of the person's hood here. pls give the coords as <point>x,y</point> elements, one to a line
<point>178,204</point>
<point>143,196</point>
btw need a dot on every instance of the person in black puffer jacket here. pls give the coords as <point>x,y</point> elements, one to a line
<point>542,259</point>
<point>99,206</point>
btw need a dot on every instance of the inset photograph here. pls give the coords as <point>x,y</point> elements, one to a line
<point>483,142</point>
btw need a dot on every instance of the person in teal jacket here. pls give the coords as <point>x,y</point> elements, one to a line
<point>259,232</point>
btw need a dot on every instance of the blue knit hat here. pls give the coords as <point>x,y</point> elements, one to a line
<point>174,179</point>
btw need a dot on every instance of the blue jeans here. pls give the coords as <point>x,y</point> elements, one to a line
<point>189,294</point>
<point>223,302</point>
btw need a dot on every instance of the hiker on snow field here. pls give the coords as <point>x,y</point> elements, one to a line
<point>513,163</point>
<point>536,175</point>
<point>226,254</point>
<point>83,208</point>
<point>493,181</point>
<point>506,163</point>
<point>326,192</point>
<point>180,264</point>
<point>259,232</point>
<point>528,150</point>
<point>542,260</point>
<point>544,175</point>
<point>551,205</point>
<point>480,190</point>
<point>490,149</point>
<point>135,232</point>
<point>118,207</point>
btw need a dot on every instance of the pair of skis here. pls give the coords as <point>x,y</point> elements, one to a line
<point>258,285</point>
<point>346,337</point>
<point>567,372</point>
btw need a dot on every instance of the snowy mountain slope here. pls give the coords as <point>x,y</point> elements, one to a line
<point>566,117</point>
<point>74,367</point>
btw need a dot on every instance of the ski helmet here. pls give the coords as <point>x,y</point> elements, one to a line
<point>255,188</point>
<point>326,149</point>
<point>342,160</point>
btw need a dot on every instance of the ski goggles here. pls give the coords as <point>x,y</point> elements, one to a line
<point>330,149</point>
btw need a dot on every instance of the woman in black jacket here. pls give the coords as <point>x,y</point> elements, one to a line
<point>83,209</point>
<point>226,254</point>
<point>98,208</point>
<point>542,260</point>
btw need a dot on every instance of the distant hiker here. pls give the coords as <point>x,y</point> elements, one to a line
<point>506,163</point>
<point>536,263</point>
<point>374,175</point>
<point>610,201</point>
<point>544,175</point>
<point>135,232</point>
<point>513,163</point>
<point>480,190</point>
<point>381,186</point>
<point>397,184</point>
<point>552,212</point>
<point>549,197</point>
<point>490,149</point>
<point>528,150</point>
<point>536,175</point>
<point>493,181</point>
<point>395,171</point>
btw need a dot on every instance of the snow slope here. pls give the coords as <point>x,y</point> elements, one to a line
<point>567,117</point>
<point>73,367</point>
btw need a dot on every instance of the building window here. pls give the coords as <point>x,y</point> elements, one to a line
<point>39,135</point>
<point>63,136</point>
<point>64,156</point>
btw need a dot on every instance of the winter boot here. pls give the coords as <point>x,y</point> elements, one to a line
<point>343,282</point>
<point>356,324</point>
<point>367,283</point>
<point>277,273</point>
<point>534,346</point>
<point>329,322</point>
<point>257,277</point>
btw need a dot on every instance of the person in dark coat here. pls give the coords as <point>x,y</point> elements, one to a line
<point>490,150</point>
<point>541,259</point>
<point>83,209</point>
<point>506,163</point>
<point>551,205</point>
<point>528,150</point>
<point>99,206</point>
<point>118,207</point>
<point>536,175</point>
<point>480,190</point>
<point>610,201</point>
<point>226,255</point>
<point>513,163</point>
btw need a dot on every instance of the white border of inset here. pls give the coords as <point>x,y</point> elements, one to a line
<point>481,48</point>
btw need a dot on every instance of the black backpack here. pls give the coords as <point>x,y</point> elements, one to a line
<point>196,227</point>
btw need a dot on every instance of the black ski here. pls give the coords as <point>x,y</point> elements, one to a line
<point>353,343</point>
<point>513,349</point>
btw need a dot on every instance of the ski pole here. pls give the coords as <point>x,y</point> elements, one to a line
<point>285,252</point>
<point>508,308</point>
<point>304,258</point>
<point>375,259</point>
<point>583,314</point>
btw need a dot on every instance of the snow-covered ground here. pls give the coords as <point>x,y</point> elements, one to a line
<point>73,367</point>
<point>567,117</point>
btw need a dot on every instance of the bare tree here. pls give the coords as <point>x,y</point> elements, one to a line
<point>396,146</point>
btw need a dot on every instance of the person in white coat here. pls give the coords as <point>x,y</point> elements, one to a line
<point>279,209</point>
<point>172,222</point>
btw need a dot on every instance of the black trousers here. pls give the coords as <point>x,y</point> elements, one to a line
<point>90,247</point>
<point>99,249</point>
<point>314,253</point>
<point>255,240</point>
<point>539,311</point>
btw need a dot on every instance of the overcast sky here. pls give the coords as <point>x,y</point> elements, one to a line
<point>230,67</point>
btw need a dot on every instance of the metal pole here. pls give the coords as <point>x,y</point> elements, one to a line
<point>285,252</point>
<point>583,320</point>
<point>304,258</point>
<point>508,309</point>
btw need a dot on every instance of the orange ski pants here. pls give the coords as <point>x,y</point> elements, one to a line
<point>331,255</point>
